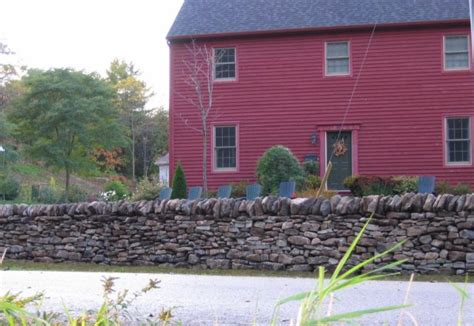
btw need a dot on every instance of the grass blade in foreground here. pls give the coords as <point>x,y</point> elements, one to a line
<point>312,305</point>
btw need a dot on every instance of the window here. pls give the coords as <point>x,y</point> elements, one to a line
<point>224,64</point>
<point>337,58</point>
<point>225,148</point>
<point>458,140</point>
<point>456,52</point>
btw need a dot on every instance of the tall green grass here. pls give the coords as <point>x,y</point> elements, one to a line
<point>316,305</point>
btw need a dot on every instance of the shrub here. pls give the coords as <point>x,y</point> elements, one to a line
<point>50,194</point>
<point>370,185</point>
<point>76,195</point>
<point>9,187</point>
<point>211,194</point>
<point>179,183</point>
<point>404,184</point>
<point>44,195</point>
<point>312,182</point>
<point>462,189</point>
<point>119,189</point>
<point>239,189</point>
<point>311,167</point>
<point>308,193</point>
<point>276,165</point>
<point>443,187</point>
<point>147,190</point>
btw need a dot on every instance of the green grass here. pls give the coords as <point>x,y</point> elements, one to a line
<point>89,267</point>
<point>28,169</point>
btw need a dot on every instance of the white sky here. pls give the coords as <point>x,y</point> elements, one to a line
<point>89,34</point>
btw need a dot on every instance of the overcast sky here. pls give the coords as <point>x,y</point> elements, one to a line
<point>89,34</point>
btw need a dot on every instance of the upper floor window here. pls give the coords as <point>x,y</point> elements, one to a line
<point>337,58</point>
<point>224,64</point>
<point>225,147</point>
<point>456,52</point>
<point>458,140</point>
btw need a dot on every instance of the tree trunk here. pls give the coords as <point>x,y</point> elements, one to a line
<point>133,146</point>
<point>145,169</point>
<point>68,176</point>
<point>204,159</point>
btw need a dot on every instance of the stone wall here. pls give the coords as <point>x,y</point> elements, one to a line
<point>268,233</point>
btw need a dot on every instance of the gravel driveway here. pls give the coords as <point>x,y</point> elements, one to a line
<point>230,300</point>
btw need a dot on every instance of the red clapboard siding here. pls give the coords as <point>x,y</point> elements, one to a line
<point>281,96</point>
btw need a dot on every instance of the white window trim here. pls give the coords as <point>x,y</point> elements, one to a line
<point>468,53</point>
<point>214,65</point>
<point>214,149</point>
<point>446,140</point>
<point>348,73</point>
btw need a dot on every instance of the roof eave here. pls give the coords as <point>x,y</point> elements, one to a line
<point>317,29</point>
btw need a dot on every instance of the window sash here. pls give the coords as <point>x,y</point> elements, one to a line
<point>460,47</point>
<point>337,50</point>
<point>456,54</point>
<point>225,64</point>
<point>458,140</point>
<point>225,147</point>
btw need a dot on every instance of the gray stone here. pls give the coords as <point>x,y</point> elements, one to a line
<point>457,256</point>
<point>218,263</point>
<point>334,202</point>
<point>296,205</point>
<point>299,240</point>
<point>325,208</point>
<point>470,258</point>
<point>425,239</point>
<point>429,202</point>
<point>467,234</point>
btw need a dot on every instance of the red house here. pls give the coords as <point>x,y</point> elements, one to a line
<point>389,82</point>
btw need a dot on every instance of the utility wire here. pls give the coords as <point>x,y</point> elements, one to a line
<point>354,89</point>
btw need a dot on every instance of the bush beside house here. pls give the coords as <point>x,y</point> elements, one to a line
<point>277,165</point>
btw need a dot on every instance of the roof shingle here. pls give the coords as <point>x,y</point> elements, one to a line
<point>209,17</point>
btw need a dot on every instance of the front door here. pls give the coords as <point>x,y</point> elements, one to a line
<point>339,152</point>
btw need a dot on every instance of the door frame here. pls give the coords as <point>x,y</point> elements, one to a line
<point>354,130</point>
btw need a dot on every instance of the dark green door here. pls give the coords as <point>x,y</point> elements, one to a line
<point>339,152</point>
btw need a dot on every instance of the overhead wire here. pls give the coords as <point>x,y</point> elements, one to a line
<point>354,89</point>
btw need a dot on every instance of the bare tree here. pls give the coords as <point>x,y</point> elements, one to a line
<point>199,69</point>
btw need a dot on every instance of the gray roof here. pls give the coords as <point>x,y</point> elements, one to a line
<point>209,17</point>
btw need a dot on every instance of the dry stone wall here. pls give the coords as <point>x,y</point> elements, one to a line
<point>268,233</point>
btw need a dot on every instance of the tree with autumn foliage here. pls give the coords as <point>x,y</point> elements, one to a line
<point>132,95</point>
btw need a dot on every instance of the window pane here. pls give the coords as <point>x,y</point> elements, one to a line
<point>459,151</point>
<point>225,71</point>
<point>338,50</point>
<point>456,44</point>
<point>338,66</point>
<point>457,60</point>
<point>225,158</point>
<point>458,128</point>
<point>224,55</point>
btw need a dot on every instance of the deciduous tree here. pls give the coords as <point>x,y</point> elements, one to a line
<point>63,116</point>
<point>199,67</point>
<point>131,96</point>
